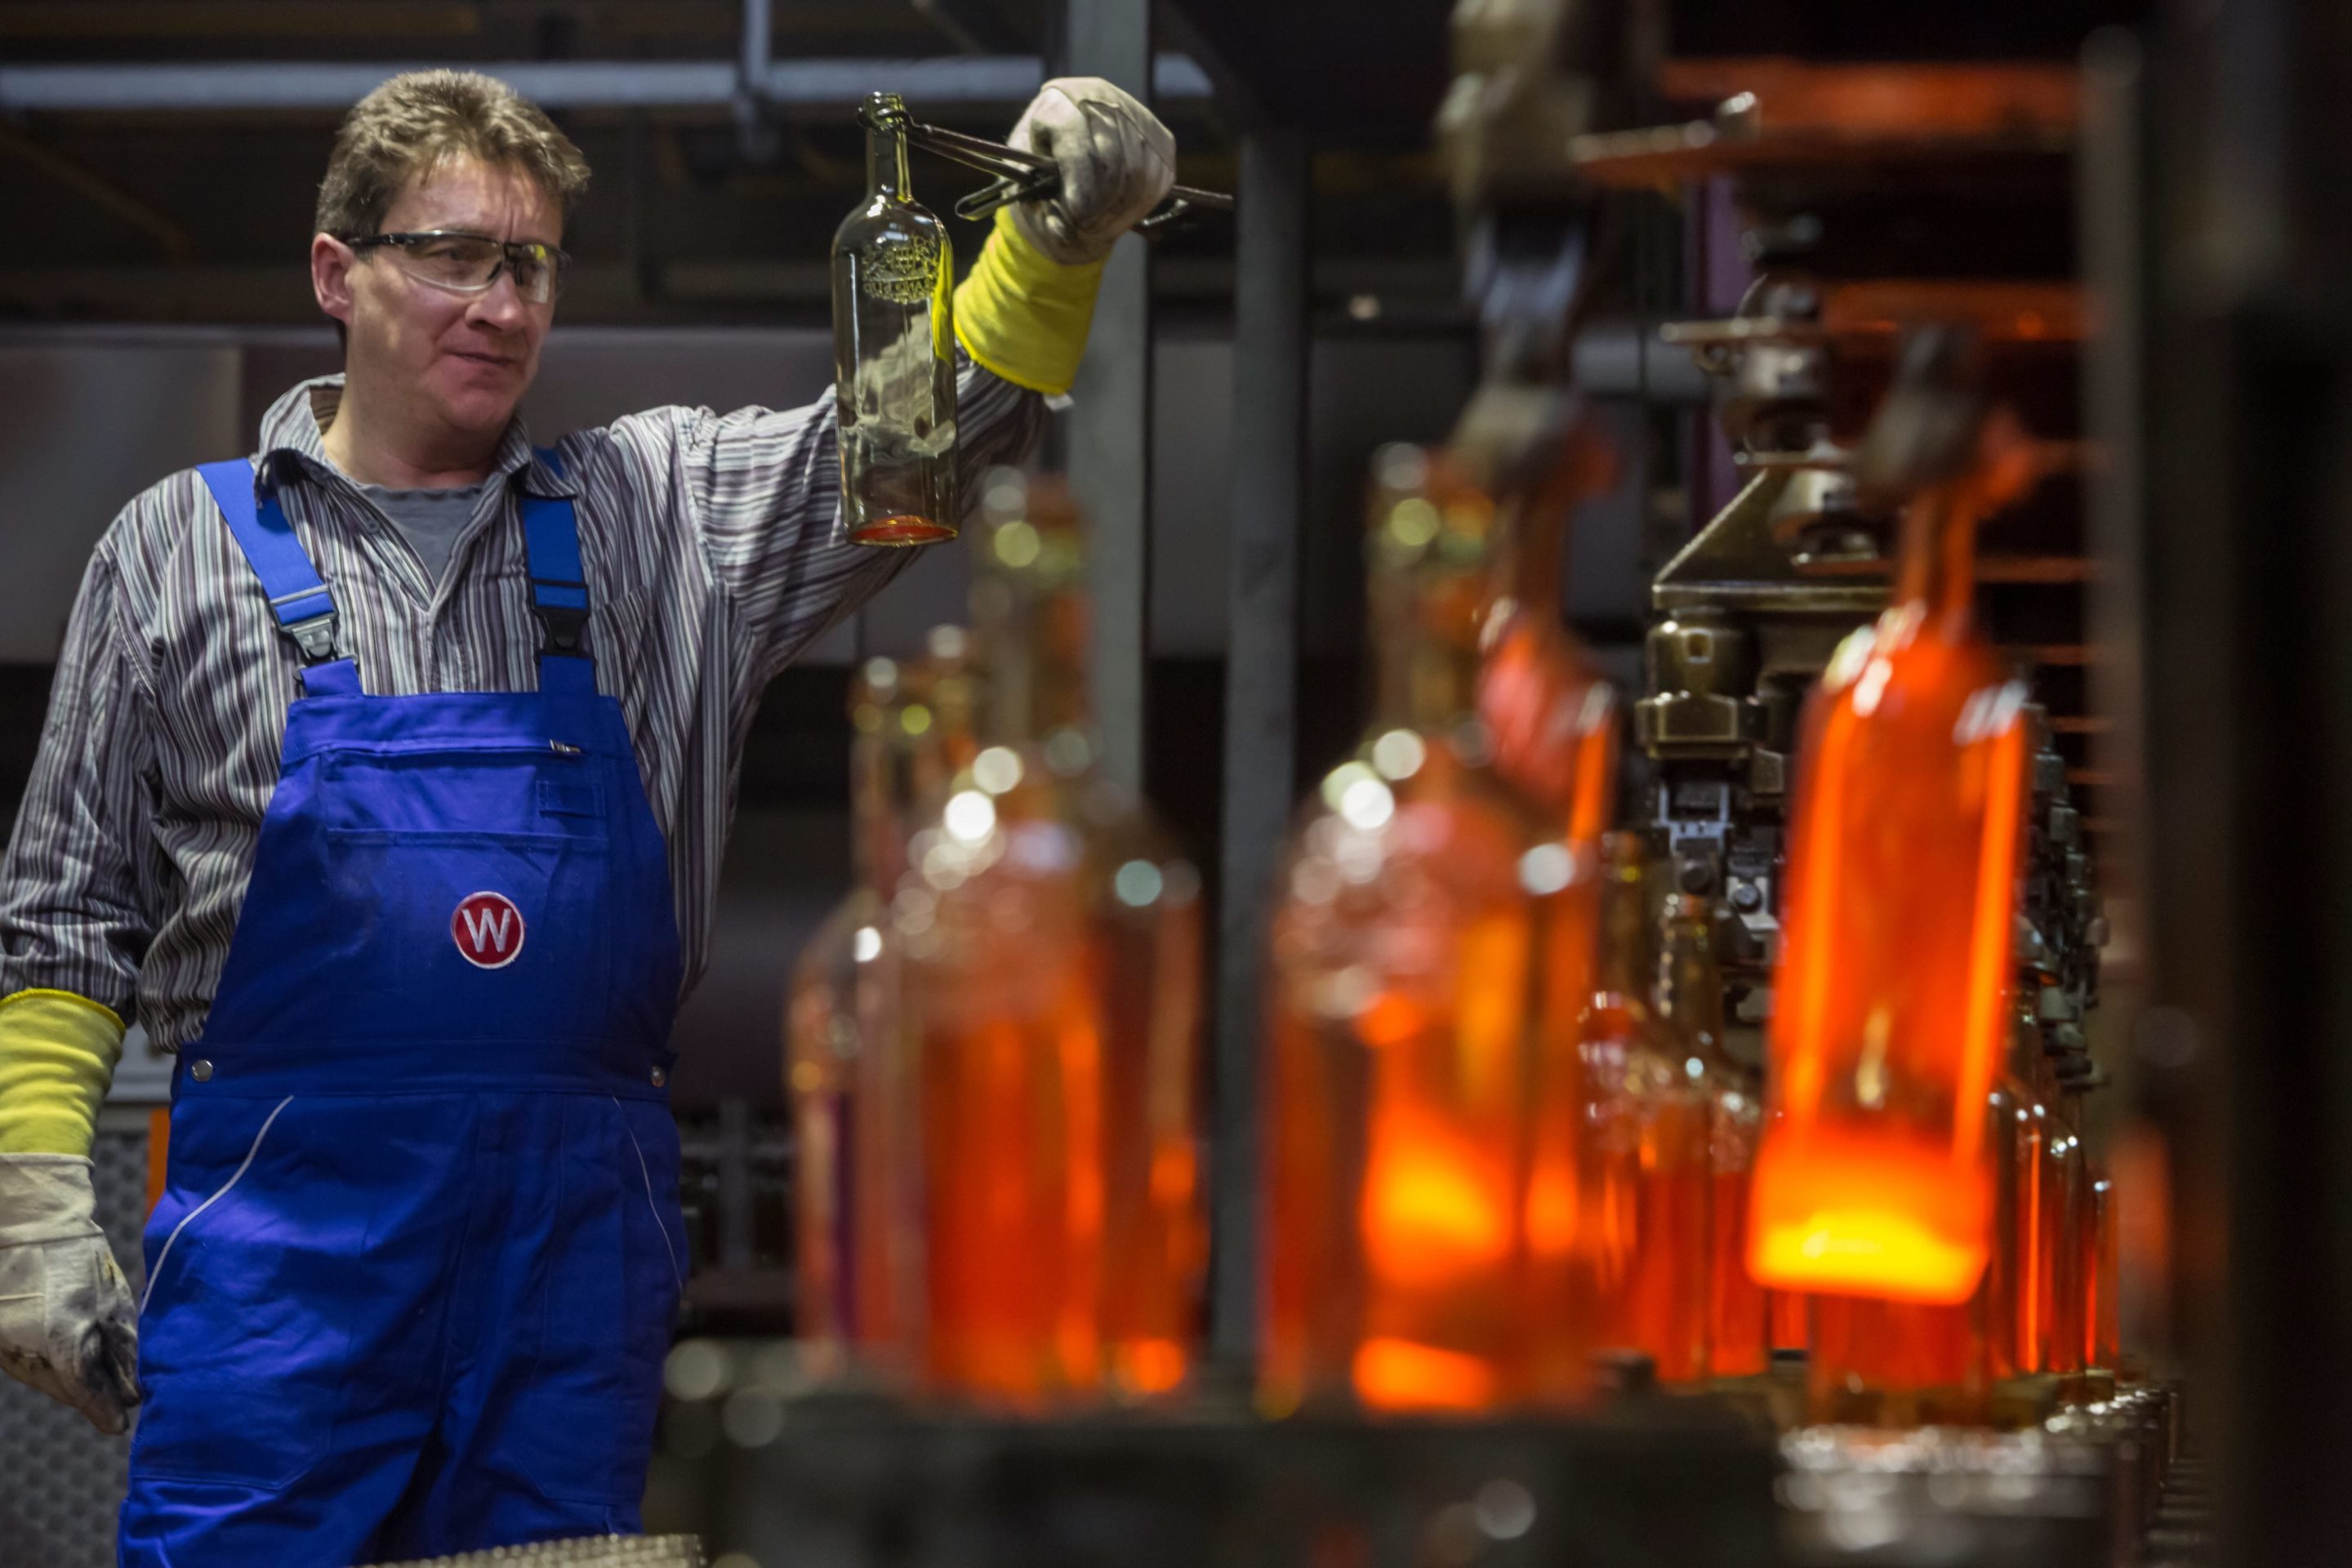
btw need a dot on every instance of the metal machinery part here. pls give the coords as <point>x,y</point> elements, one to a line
<point>1876,195</point>
<point>2087,1488</point>
<point>601,1551</point>
<point>735,1192</point>
<point>837,1480</point>
<point>1864,226</point>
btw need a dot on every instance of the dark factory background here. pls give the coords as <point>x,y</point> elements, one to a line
<point>154,299</point>
<point>158,164</point>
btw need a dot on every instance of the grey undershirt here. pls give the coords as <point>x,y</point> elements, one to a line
<point>429,520</point>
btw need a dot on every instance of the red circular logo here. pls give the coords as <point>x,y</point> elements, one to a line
<point>487,930</point>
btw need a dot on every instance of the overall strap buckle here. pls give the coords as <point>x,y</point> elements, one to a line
<point>300,601</point>
<point>318,634</point>
<point>559,583</point>
<point>318,637</point>
<point>560,625</point>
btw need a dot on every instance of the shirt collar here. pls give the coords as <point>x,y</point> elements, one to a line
<point>293,432</point>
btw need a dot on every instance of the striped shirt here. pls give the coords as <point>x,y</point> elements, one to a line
<point>713,552</point>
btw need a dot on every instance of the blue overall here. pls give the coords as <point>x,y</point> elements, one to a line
<point>412,1277</point>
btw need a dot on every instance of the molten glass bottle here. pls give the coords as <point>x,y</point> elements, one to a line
<point>2065,1203</point>
<point>1896,1363</point>
<point>1788,1314</point>
<point>1690,1006</point>
<point>1408,944</point>
<point>1549,714</point>
<point>1551,721</point>
<point>847,1076</point>
<point>894,350</point>
<point>2028,1221</point>
<point>2099,1274</point>
<point>1891,997</point>
<point>1052,940</point>
<point>1649,1132</point>
<point>2012,1135</point>
<point>1877,1362</point>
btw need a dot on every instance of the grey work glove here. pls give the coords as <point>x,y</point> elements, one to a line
<point>68,1325</point>
<point>1117,159</point>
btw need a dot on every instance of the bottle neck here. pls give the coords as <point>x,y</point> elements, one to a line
<point>1425,637</point>
<point>886,165</point>
<point>1033,652</point>
<point>1690,986</point>
<point>1627,962</point>
<point>1937,563</point>
<point>880,806</point>
<point>1529,567</point>
<point>901,767</point>
<point>2024,1063</point>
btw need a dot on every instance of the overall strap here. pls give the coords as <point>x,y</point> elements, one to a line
<point>558,588</point>
<point>298,596</point>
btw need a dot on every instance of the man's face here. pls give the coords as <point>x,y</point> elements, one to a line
<point>457,361</point>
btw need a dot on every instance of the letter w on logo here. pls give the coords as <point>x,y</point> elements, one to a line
<point>487,929</point>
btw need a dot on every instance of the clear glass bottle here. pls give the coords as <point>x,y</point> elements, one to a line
<point>847,1076</point>
<point>1690,1007</point>
<point>894,349</point>
<point>1051,942</point>
<point>1649,1136</point>
<point>1891,997</point>
<point>1412,926</point>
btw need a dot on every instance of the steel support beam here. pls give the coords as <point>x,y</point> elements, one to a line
<point>759,39</point>
<point>2244,375</point>
<point>232,86</point>
<point>1109,429</point>
<point>1271,343</point>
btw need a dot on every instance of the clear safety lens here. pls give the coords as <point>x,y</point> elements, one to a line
<point>470,263</point>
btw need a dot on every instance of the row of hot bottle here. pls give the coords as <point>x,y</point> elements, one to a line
<point>1501,1137</point>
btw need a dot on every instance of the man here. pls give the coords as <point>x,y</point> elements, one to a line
<point>386,774</point>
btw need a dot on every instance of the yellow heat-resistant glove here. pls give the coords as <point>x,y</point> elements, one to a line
<point>1024,317</point>
<point>58,1053</point>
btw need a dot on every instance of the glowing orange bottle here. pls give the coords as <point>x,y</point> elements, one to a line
<point>1897,1364</point>
<point>2027,1220</point>
<point>1551,720</point>
<point>848,1076</point>
<point>1052,958</point>
<point>1408,951</point>
<point>2012,1135</point>
<point>2065,1197</point>
<point>1549,713</point>
<point>1690,1006</point>
<point>1648,1126</point>
<point>1891,998</point>
<point>2099,1310</point>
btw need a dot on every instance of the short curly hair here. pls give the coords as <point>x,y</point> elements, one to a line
<point>407,127</point>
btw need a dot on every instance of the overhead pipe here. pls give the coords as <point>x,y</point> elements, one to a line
<point>217,87</point>
<point>755,131</point>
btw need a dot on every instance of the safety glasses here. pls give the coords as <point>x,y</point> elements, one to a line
<point>469,263</point>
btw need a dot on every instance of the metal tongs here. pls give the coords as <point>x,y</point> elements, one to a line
<point>1019,176</point>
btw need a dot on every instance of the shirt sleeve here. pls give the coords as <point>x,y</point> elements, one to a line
<point>763,490</point>
<point>71,914</point>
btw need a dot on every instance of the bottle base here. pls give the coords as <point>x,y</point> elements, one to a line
<point>898,531</point>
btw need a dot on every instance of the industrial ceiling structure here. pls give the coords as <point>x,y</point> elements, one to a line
<point>719,131</point>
